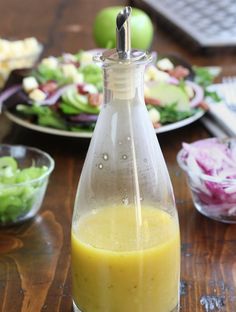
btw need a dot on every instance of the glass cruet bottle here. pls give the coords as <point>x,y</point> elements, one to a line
<point>125,231</point>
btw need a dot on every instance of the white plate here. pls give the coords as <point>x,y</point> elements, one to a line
<point>88,134</point>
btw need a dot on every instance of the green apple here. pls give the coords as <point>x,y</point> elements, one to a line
<point>104,28</point>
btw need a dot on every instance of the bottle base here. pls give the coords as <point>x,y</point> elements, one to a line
<point>76,309</point>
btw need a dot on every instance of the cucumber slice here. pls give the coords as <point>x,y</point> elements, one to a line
<point>169,94</point>
<point>10,204</point>
<point>8,161</point>
<point>8,180</point>
<point>29,174</point>
<point>10,191</point>
<point>28,193</point>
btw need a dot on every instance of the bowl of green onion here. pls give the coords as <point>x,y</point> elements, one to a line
<point>24,174</point>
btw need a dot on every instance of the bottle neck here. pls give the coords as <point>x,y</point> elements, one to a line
<point>123,82</point>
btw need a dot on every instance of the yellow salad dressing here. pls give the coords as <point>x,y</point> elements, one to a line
<point>126,263</point>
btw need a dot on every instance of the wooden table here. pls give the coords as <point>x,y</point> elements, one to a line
<point>35,257</point>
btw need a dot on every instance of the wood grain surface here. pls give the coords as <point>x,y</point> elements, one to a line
<point>35,256</point>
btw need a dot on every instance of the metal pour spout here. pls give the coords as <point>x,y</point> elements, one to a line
<point>123,36</point>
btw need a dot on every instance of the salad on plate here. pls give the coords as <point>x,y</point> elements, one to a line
<point>65,93</point>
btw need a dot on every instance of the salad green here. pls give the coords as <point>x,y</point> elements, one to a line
<point>170,113</point>
<point>19,188</point>
<point>45,116</point>
<point>44,73</point>
<point>205,77</point>
<point>92,75</point>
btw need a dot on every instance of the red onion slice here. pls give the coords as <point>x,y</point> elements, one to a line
<point>8,93</point>
<point>84,118</point>
<point>52,99</point>
<point>198,94</point>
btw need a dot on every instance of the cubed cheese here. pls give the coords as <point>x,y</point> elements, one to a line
<point>152,73</point>
<point>4,49</point>
<point>37,95</point>
<point>51,62</point>
<point>31,44</point>
<point>146,91</point>
<point>70,71</point>
<point>29,84</point>
<point>165,64</point>
<point>86,58</point>
<point>154,115</point>
<point>78,78</point>
<point>17,48</point>
<point>68,57</point>
<point>17,54</point>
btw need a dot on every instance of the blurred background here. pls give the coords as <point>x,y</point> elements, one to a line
<point>71,17</point>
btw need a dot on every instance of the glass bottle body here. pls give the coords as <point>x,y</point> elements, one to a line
<point>125,232</point>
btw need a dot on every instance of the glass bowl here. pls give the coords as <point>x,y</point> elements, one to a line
<point>17,54</point>
<point>20,201</point>
<point>213,196</point>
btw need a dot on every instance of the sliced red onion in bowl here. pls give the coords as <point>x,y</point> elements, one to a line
<point>211,170</point>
